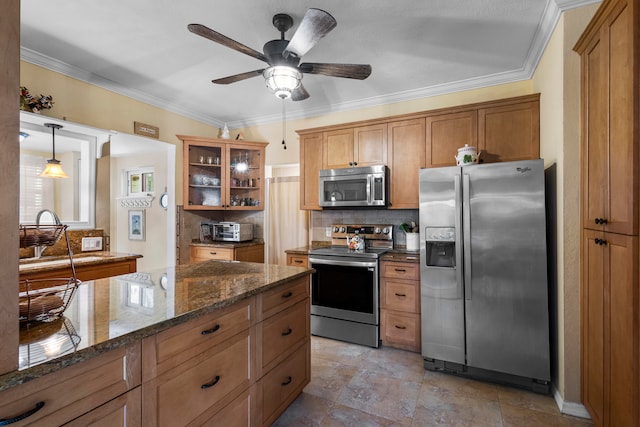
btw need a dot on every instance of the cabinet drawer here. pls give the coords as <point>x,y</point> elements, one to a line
<point>281,297</point>
<point>401,330</point>
<point>76,390</point>
<point>279,334</point>
<point>297,260</point>
<point>201,386</point>
<point>401,270</point>
<point>400,295</point>
<point>283,384</point>
<point>239,413</point>
<point>125,411</point>
<point>175,346</point>
<point>201,253</point>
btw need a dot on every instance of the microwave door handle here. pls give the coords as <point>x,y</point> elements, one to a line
<point>369,191</point>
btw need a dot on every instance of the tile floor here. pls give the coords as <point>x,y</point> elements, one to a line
<point>352,385</point>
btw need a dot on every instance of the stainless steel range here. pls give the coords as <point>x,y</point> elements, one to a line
<point>345,293</point>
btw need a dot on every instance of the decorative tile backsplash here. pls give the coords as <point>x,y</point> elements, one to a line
<point>75,241</point>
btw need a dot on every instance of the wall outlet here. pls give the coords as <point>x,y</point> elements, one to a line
<point>327,231</point>
<point>91,244</point>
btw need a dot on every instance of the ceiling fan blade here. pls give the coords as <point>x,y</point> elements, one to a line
<point>349,71</point>
<point>208,33</point>
<point>299,94</point>
<point>238,77</point>
<point>315,25</point>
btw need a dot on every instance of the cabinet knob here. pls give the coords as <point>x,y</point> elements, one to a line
<point>600,242</point>
<point>601,220</point>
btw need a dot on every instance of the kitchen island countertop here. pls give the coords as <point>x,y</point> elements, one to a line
<point>109,313</point>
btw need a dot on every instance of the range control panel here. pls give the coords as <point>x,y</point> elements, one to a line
<point>368,231</point>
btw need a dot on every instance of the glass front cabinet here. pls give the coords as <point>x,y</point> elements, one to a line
<point>219,174</point>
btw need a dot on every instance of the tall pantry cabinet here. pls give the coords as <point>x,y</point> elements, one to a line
<point>610,152</point>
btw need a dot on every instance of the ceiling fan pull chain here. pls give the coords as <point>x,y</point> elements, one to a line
<point>283,124</point>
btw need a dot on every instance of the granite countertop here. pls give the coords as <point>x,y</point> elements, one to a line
<point>221,244</point>
<point>47,263</point>
<point>108,313</point>
<point>304,250</point>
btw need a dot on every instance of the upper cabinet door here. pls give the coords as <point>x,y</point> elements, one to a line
<point>509,132</point>
<point>370,145</point>
<point>406,155</point>
<point>310,165</point>
<point>337,149</point>
<point>446,133</point>
<point>610,152</point>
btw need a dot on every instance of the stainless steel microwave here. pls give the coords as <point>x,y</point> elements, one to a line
<point>354,187</point>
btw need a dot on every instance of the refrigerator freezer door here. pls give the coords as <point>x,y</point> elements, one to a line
<point>441,288</point>
<point>507,316</point>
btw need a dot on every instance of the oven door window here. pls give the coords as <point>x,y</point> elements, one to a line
<point>344,288</point>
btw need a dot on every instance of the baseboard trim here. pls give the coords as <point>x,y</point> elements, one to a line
<point>574,409</point>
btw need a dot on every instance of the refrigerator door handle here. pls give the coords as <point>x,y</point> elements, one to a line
<point>458,225</point>
<point>466,218</point>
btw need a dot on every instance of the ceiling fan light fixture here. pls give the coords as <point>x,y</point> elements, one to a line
<point>282,80</point>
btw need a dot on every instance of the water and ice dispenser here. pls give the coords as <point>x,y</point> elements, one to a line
<point>440,247</point>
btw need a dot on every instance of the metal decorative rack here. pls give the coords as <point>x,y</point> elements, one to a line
<point>43,300</point>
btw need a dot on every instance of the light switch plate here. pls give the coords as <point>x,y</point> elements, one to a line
<point>91,244</point>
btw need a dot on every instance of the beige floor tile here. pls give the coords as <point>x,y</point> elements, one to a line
<point>516,416</point>
<point>449,383</point>
<point>528,399</point>
<point>328,378</point>
<point>437,408</point>
<point>306,410</point>
<point>338,351</point>
<point>395,363</point>
<point>380,395</point>
<point>340,416</point>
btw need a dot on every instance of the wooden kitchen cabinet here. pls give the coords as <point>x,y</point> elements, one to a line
<point>86,271</point>
<point>310,165</point>
<point>609,251</point>
<point>406,146</point>
<point>222,175</point>
<point>248,253</point>
<point>123,411</point>
<point>446,132</point>
<point>504,130</point>
<point>609,321</point>
<point>79,389</point>
<point>510,131</point>
<point>400,305</point>
<point>359,146</point>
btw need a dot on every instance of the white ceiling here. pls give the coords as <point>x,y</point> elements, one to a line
<point>416,48</point>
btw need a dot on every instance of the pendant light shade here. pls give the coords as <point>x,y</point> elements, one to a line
<point>53,168</point>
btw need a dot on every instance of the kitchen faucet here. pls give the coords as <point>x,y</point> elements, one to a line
<point>37,250</point>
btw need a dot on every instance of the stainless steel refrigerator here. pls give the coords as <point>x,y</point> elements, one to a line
<point>484,297</point>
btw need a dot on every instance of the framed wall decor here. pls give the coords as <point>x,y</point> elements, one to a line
<point>136,225</point>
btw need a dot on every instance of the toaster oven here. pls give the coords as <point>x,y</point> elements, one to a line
<point>225,232</point>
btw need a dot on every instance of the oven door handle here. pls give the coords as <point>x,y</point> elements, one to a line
<point>343,262</point>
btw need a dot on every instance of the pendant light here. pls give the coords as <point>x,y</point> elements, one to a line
<point>284,121</point>
<point>53,168</point>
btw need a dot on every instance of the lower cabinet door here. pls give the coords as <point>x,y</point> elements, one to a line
<point>284,383</point>
<point>239,413</point>
<point>125,410</point>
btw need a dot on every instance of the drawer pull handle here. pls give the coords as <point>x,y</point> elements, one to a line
<point>401,295</point>
<point>39,405</point>
<point>400,270</point>
<point>298,261</point>
<point>212,330</point>
<point>287,332</point>
<point>287,295</point>
<point>213,253</point>
<point>401,327</point>
<point>288,381</point>
<point>211,384</point>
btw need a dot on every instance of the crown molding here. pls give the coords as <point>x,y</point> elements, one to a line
<point>549,20</point>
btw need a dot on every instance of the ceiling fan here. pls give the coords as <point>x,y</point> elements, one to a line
<point>284,73</point>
